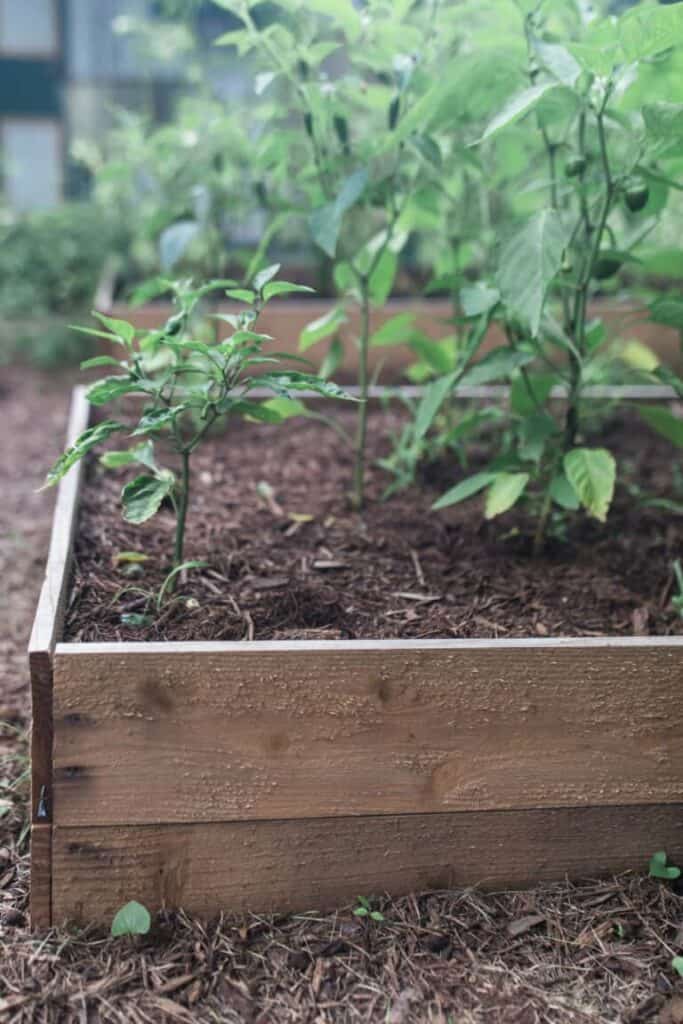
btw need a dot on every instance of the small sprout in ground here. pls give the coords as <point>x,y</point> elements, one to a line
<point>133,919</point>
<point>677,599</point>
<point>136,619</point>
<point>660,869</point>
<point>364,909</point>
<point>677,964</point>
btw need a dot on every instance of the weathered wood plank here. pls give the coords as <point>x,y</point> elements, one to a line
<point>286,320</point>
<point>41,876</point>
<point>48,619</point>
<point>150,733</point>
<point>324,863</point>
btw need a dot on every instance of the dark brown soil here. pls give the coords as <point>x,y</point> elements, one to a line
<point>300,564</point>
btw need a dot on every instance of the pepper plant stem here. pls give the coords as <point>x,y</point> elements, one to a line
<point>362,424</point>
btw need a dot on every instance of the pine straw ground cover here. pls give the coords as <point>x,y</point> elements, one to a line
<point>598,951</point>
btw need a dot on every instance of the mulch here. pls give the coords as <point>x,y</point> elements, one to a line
<point>288,558</point>
<point>597,951</point>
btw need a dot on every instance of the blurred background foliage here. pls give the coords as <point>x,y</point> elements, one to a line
<point>206,171</point>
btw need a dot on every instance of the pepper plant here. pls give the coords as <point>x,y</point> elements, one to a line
<point>344,139</point>
<point>187,386</point>
<point>611,152</point>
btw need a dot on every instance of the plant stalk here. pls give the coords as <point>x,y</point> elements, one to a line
<point>183,502</point>
<point>363,381</point>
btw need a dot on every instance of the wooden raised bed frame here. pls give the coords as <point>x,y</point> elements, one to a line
<point>296,775</point>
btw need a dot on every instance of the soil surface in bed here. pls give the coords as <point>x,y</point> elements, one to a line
<point>298,563</point>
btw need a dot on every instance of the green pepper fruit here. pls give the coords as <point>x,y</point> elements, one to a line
<point>575,166</point>
<point>636,196</point>
<point>341,128</point>
<point>394,108</point>
<point>606,266</point>
<point>174,324</point>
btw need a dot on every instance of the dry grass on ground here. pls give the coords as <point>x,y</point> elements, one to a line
<point>566,954</point>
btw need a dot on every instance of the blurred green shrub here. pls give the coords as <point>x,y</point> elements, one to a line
<point>50,263</point>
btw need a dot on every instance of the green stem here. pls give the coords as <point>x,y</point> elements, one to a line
<point>544,516</point>
<point>362,425</point>
<point>183,501</point>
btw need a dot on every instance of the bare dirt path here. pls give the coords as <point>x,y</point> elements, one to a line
<point>560,954</point>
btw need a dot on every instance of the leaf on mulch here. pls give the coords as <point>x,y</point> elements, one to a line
<point>524,924</point>
<point>671,1012</point>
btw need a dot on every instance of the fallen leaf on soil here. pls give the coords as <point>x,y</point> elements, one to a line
<point>268,582</point>
<point>671,1012</point>
<point>524,924</point>
<point>175,983</point>
<point>639,619</point>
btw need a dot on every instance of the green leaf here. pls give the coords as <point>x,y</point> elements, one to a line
<point>394,331</point>
<point>465,489</point>
<point>129,557</point>
<point>333,359</point>
<point>518,106</point>
<point>664,422</point>
<point>156,420</point>
<point>142,497</point>
<point>478,298</point>
<point>529,261</point>
<point>90,364</point>
<point>536,430</point>
<point>124,331</point>
<point>382,278</point>
<point>286,408</point>
<point>133,919</point>
<point>592,473</point>
<point>647,31</point>
<point>325,222</point>
<point>283,383</point>
<point>558,61</point>
<point>141,453</point>
<point>321,328</point>
<point>639,356</point>
<point>137,620</point>
<point>504,492</point>
<point>260,411</point>
<point>174,242</point>
<point>81,446</point>
<point>663,120</point>
<point>659,868</point>
<point>108,388</point>
<point>430,403</point>
<point>563,494</point>
<point>283,288</point>
<point>264,276</point>
<point>668,310</point>
<point>526,393</point>
<point>677,964</point>
<point>241,295</point>
<point>499,364</point>
<point>435,356</point>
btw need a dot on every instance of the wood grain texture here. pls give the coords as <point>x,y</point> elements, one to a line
<point>41,876</point>
<point>47,623</point>
<point>286,320</point>
<point>321,864</point>
<point>168,733</point>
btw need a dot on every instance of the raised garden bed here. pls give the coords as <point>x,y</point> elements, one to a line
<point>431,316</point>
<point>295,773</point>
